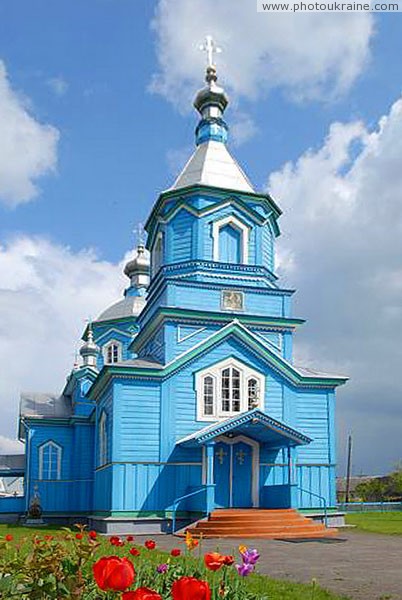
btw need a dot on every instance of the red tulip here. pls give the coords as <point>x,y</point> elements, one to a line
<point>130,538</point>
<point>229,560</point>
<point>142,594</point>
<point>134,552</point>
<point>190,588</point>
<point>214,561</point>
<point>114,573</point>
<point>150,544</point>
<point>93,535</point>
<point>8,537</point>
<point>176,552</point>
<point>79,536</point>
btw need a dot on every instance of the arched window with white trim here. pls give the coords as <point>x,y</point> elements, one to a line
<point>50,455</point>
<point>252,393</point>
<point>103,439</point>
<point>209,395</point>
<point>157,254</point>
<point>230,240</point>
<point>228,388</point>
<point>112,352</point>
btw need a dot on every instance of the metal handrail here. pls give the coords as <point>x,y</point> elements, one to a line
<point>324,501</point>
<point>181,498</point>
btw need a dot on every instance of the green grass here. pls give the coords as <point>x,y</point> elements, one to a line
<point>263,586</point>
<point>389,523</point>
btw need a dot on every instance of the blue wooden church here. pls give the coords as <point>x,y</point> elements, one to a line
<point>187,399</point>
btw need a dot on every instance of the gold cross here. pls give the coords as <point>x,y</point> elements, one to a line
<point>221,455</point>
<point>241,455</point>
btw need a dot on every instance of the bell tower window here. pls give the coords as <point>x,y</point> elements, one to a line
<point>230,240</point>
<point>157,254</point>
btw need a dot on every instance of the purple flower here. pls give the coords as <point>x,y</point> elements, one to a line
<point>162,568</point>
<point>250,557</point>
<point>245,569</point>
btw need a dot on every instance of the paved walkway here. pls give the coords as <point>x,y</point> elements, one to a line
<point>365,567</point>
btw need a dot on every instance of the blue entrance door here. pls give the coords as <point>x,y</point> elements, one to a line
<point>233,474</point>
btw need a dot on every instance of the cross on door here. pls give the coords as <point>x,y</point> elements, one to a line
<point>221,455</point>
<point>241,455</point>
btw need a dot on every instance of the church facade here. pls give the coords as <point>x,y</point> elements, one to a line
<point>187,398</point>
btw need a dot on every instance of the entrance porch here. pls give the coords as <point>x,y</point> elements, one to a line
<point>233,467</point>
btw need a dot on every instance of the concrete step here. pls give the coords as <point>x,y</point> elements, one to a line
<point>255,523</point>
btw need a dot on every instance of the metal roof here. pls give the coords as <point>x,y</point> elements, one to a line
<point>12,462</point>
<point>43,405</point>
<point>213,165</point>
<point>130,306</point>
<point>254,424</point>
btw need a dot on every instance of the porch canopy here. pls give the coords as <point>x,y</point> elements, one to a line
<point>254,424</point>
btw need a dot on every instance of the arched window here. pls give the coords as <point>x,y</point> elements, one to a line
<point>103,439</point>
<point>209,399</point>
<point>252,393</point>
<point>230,240</point>
<point>228,388</point>
<point>112,352</point>
<point>50,461</point>
<point>157,254</point>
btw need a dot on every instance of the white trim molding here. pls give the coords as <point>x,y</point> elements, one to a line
<point>119,352</point>
<point>245,373</point>
<point>53,447</point>
<point>237,224</point>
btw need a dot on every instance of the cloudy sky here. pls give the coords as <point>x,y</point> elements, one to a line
<point>96,120</point>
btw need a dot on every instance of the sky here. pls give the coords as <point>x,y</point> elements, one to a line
<point>96,120</point>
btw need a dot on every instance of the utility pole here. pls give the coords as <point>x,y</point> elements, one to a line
<point>348,469</point>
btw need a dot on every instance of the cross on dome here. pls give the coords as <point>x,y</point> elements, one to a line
<point>210,48</point>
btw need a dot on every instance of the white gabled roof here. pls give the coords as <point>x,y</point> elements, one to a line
<point>213,165</point>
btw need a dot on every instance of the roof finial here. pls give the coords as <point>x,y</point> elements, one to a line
<point>139,234</point>
<point>210,48</point>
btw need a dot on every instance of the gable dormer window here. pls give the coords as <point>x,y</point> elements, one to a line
<point>112,352</point>
<point>228,388</point>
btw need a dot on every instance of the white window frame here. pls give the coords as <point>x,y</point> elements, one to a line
<point>242,227</point>
<point>215,371</point>
<point>59,450</point>
<point>157,253</point>
<point>106,351</point>
<point>103,439</point>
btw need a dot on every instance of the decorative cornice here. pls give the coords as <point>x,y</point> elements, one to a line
<point>235,329</point>
<point>234,196</point>
<point>213,431</point>
<point>210,317</point>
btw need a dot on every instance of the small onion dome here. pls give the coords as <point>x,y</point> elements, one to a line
<point>212,100</point>
<point>137,269</point>
<point>89,350</point>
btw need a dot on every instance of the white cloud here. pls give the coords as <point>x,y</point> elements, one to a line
<point>58,85</point>
<point>28,149</point>
<point>46,294</point>
<point>307,55</point>
<point>342,249</point>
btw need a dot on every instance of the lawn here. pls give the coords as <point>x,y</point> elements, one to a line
<point>263,587</point>
<point>389,523</point>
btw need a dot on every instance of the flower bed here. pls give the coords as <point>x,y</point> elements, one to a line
<point>82,565</point>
